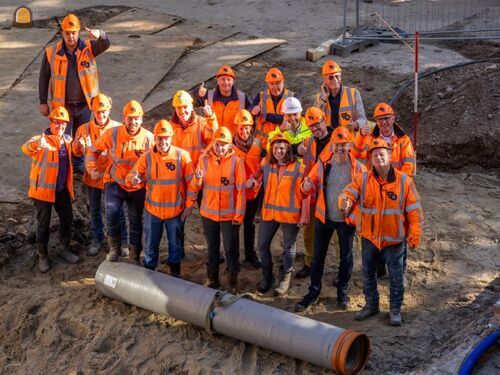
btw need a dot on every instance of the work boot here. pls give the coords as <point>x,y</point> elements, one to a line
<point>124,250</point>
<point>175,269</point>
<point>66,252</point>
<point>95,248</point>
<point>114,249</point>
<point>342,301</point>
<point>395,318</point>
<point>233,282</point>
<point>308,300</point>
<point>267,279</point>
<point>134,254</point>
<point>304,272</point>
<point>284,286</point>
<point>213,279</point>
<point>252,260</point>
<point>366,312</point>
<point>43,258</point>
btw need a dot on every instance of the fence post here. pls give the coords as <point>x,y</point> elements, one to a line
<point>345,23</point>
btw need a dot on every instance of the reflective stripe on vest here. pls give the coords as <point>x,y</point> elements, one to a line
<point>226,188</point>
<point>163,182</point>
<point>241,98</point>
<point>294,174</point>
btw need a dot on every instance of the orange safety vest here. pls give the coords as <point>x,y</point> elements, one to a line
<point>196,136</point>
<point>223,185</point>
<point>167,176</point>
<point>317,177</point>
<point>388,211</point>
<point>263,127</point>
<point>91,133</point>
<point>403,156</point>
<point>252,160</point>
<point>123,150</point>
<point>225,112</point>
<point>87,72</point>
<point>282,198</point>
<point>347,108</point>
<point>45,167</point>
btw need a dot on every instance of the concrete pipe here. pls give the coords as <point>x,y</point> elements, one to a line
<point>343,351</point>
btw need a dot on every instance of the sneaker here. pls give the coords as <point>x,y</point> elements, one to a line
<point>95,248</point>
<point>305,302</point>
<point>124,250</point>
<point>395,318</point>
<point>304,272</point>
<point>366,312</point>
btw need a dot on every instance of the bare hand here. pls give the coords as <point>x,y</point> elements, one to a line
<point>302,224</point>
<point>202,91</point>
<point>307,185</point>
<point>135,179</point>
<point>256,110</point>
<point>42,142</point>
<point>186,213</point>
<point>207,110</point>
<point>93,33</point>
<point>198,173</point>
<point>301,148</point>
<point>345,206</point>
<point>325,92</point>
<point>44,109</point>
<point>352,126</point>
<point>82,143</point>
<point>250,183</point>
<point>285,125</point>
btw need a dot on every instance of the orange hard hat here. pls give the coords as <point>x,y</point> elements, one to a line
<point>341,135</point>
<point>330,67</point>
<point>133,109</point>
<point>163,128</point>
<point>378,143</point>
<point>274,75</point>
<point>314,115</point>
<point>225,70</point>
<point>101,102</point>
<point>279,137</point>
<point>223,134</point>
<point>243,117</point>
<point>383,109</point>
<point>70,23</point>
<point>59,113</point>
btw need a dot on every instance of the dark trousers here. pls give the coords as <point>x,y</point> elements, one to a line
<point>115,196</point>
<point>322,235</point>
<point>249,227</point>
<point>79,113</point>
<point>95,203</point>
<point>43,212</point>
<point>153,227</point>
<point>393,257</point>
<point>213,230</point>
<point>267,231</point>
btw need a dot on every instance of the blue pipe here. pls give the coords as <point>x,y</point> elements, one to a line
<point>481,347</point>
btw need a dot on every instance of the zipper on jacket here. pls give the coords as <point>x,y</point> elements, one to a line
<point>36,183</point>
<point>157,176</point>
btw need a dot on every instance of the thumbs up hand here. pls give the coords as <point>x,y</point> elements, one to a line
<point>250,183</point>
<point>307,185</point>
<point>94,34</point>
<point>42,142</point>
<point>207,110</point>
<point>257,109</point>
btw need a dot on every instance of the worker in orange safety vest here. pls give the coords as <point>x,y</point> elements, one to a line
<point>389,212</point>
<point>220,175</point>
<point>166,170</point>
<point>51,184</point>
<point>124,145</point>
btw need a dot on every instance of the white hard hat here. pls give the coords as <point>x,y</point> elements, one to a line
<point>291,105</point>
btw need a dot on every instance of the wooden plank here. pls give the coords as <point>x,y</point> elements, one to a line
<point>201,65</point>
<point>314,54</point>
<point>139,21</point>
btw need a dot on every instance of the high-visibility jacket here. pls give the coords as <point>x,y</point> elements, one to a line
<point>252,160</point>
<point>402,156</point>
<point>87,72</point>
<point>91,133</point>
<point>347,108</point>
<point>282,197</point>
<point>263,127</point>
<point>225,112</point>
<point>195,137</point>
<point>295,138</point>
<point>166,176</point>
<point>123,151</point>
<point>389,210</point>
<point>45,167</point>
<point>223,185</point>
<point>318,177</point>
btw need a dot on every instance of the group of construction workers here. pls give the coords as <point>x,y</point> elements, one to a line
<point>329,170</point>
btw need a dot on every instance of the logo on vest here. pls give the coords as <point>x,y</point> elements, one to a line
<point>346,116</point>
<point>224,181</point>
<point>85,64</point>
<point>391,195</point>
<point>170,166</point>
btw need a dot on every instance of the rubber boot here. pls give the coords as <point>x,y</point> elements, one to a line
<point>43,258</point>
<point>284,286</point>
<point>134,254</point>
<point>267,279</point>
<point>66,252</point>
<point>213,279</point>
<point>175,269</point>
<point>114,249</point>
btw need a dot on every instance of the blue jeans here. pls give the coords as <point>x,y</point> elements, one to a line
<point>79,113</point>
<point>95,203</point>
<point>393,257</point>
<point>153,226</point>
<point>115,196</point>
<point>267,231</point>
<point>322,235</point>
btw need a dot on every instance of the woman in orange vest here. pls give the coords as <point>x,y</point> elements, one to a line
<point>51,184</point>
<point>281,175</point>
<point>85,139</point>
<point>220,174</point>
<point>166,170</point>
<point>248,148</point>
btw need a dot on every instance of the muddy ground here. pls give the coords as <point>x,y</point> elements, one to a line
<point>59,323</point>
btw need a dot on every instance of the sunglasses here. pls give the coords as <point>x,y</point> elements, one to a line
<point>383,119</point>
<point>333,76</point>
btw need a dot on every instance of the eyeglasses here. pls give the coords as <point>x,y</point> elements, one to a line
<point>331,77</point>
<point>383,119</point>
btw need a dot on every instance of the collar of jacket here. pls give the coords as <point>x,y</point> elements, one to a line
<point>391,176</point>
<point>218,95</point>
<point>338,94</point>
<point>79,46</point>
<point>67,138</point>
<point>178,121</point>
<point>169,153</point>
<point>398,131</point>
